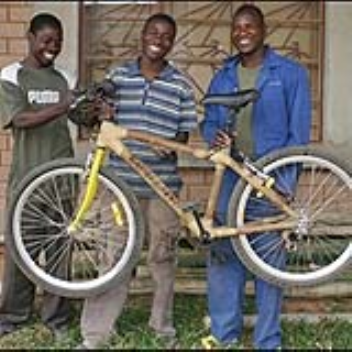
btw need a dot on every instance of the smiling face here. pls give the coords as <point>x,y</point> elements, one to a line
<point>157,40</point>
<point>248,34</point>
<point>45,45</point>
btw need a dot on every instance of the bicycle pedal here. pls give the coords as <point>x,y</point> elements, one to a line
<point>201,243</point>
<point>186,242</point>
<point>204,242</point>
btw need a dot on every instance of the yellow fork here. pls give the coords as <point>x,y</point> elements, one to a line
<point>91,189</point>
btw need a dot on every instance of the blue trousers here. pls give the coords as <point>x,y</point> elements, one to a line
<point>226,279</point>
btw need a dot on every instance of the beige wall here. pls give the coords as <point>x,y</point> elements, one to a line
<point>338,75</point>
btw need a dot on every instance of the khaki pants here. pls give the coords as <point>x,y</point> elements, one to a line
<point>100,312</point>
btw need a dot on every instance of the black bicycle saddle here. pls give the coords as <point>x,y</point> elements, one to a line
<point>235,100</point>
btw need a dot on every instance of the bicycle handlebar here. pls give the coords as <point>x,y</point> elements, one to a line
<point>102,90</point>
<point>83,110</point>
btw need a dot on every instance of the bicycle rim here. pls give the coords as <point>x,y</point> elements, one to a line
<point>98,255</point>
<point>319,246</point>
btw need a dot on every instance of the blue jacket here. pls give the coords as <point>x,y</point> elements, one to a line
<point>281,116</point>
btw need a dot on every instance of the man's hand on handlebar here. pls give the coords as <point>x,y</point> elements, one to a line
<point>91,106</point>
<point>104,109</point>
<point>223,139</point>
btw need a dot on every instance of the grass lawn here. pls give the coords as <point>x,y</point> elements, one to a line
<point>132,331</point>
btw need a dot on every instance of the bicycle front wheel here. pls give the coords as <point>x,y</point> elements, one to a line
<point>97,255</point>
<point>319,246</point>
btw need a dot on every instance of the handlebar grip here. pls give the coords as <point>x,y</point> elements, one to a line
<point>77,101</point>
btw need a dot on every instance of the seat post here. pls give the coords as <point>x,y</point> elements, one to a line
<point>230,128</point>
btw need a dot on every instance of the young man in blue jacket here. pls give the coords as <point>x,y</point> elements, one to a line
<point>280,117</point>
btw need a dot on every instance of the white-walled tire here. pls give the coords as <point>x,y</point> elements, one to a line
<point>319,246</point>
<point>98,255</point>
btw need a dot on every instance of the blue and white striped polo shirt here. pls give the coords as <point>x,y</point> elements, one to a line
<point>163,107</point>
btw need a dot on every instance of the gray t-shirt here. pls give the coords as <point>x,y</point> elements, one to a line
<point>244,140</point>
<point>23,88</point>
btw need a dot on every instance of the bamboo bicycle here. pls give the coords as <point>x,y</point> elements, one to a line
<point>78,230</point>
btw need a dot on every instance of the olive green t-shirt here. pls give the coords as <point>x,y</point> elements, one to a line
<point>23,88</point>
<point>244,140</point>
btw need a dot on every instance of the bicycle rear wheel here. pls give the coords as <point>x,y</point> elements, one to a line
<point>319,246</point>
<point>98,254</point>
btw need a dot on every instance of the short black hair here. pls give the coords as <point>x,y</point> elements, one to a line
<point>42,20</point>
<point>160,16</point>
<point>251,9</point>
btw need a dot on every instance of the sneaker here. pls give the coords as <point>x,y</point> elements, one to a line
<point>90,345</point>
<point>82,347</point>
<point>167,335</point>
<point>168,331</point>
<point>60,333</point>
<point>168,341</point>
<point>212,343</point>
<point>6,328</point>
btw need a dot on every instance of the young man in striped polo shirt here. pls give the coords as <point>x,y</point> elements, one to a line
<point>151,96</point>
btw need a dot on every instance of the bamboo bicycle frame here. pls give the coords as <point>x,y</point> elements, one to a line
<point>111,137</point>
